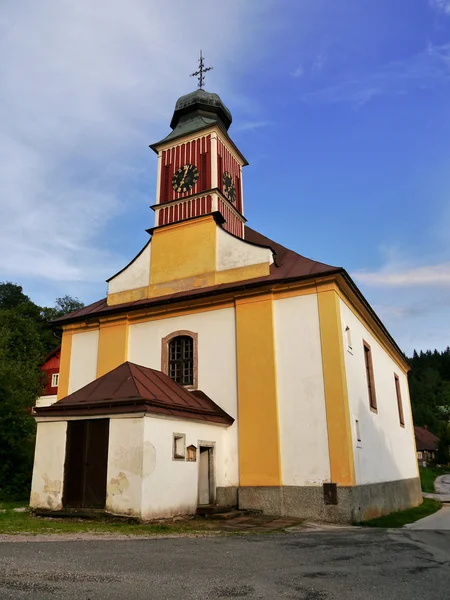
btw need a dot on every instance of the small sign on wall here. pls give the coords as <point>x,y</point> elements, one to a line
<point>191,453</point>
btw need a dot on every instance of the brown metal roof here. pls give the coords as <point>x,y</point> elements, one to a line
<point>425,440</point>
<point>132,388</point>
<point>287,265</point>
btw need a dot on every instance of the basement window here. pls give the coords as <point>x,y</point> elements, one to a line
<point>179,446</point>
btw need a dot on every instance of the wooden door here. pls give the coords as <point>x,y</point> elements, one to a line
<point>86,464</point>
<point>204,478</point>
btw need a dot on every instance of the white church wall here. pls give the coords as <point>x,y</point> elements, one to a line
<point>301,397</point>
<point>233,252</point>
<point>135,275</point>
<point>125,466</point>
<point>48,471</point>
<point>217,372</point>
<point>386,451</point>
<point>46,400</point>
<point>83,359</point>
<point>170,486</point>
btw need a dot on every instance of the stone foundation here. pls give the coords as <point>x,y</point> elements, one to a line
<point>354,504</point>
<point>227,496</point>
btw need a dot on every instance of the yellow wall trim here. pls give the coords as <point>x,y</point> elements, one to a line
<point>183,251</point>
<point>64,366</point>
<point>259,444</point>
<point>342,467</point>
<point>242,273</point>
<point>127,296</point>
<point>112,346</point>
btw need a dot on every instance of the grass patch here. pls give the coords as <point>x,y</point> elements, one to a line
<point>428,475</point>
<point>13,523</point>
<point>403,517</point>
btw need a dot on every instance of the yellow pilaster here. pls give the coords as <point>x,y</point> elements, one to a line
<point>112,346</point>
<point>259,444</point>
<point>183,256</point>
<point>64,366</point>
<point>335,381</point>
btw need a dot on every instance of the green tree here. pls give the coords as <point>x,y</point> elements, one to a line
<point>21,382</point>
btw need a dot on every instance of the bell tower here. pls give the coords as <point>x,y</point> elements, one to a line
<point>199,166</point>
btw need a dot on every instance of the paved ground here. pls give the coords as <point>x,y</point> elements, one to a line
<point>442,486</point>
<point>347,564</point>
<point>438,521</point>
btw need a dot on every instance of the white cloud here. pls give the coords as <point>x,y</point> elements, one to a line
<point>252,125</point>
<point>298,72</point>
<point>431,275</point>
<point>86,86</point>
<point>441,5</point>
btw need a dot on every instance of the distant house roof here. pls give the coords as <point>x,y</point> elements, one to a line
<point>131,388</point>
<point>56,352</point>
<point>425,440</point>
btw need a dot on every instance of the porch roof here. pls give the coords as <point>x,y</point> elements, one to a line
<point>132,388</point>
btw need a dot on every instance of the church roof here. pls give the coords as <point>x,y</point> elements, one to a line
<point>194,112</point>
<point>287,265</point>
<point>132,388</point>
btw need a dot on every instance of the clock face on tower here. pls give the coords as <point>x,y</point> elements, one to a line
<point>229,189</point>
<point>185,178</point>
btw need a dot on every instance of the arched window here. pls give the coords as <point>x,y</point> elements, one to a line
<point>181,360</point>
<point>179,357</point>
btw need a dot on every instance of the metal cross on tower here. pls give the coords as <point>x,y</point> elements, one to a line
<point>201,71</point>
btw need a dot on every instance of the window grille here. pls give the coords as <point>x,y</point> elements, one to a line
<point>181,360</point>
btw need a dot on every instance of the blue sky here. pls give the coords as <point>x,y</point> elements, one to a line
<point>341,108</point>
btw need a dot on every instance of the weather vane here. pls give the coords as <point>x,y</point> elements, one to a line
<point>201,71</point>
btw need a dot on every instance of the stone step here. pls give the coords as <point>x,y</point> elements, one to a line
<point>212,509</point>
<point>232,514</point>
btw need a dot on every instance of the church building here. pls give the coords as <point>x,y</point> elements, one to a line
<point>223,368</point>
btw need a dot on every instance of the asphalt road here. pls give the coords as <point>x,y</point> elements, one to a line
<point>342,564</point>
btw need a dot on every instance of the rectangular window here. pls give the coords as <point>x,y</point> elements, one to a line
<point>55,379</point>
<point>419,455</point>
<point>179,446</point>
<point>370,377</point>
<point>348,339</point>
<point>399,400</point>
<point>358,433</point>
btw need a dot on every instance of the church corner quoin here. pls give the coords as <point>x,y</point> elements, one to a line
<point>223,368</point>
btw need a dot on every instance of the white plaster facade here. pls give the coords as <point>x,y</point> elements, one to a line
<point>46,400</point>
<point>48,473</point>
<point>301,396</point>
<point>133,276</point>
<point>83,359</point>
<point>232,252</point>
<point>217,372</point>
<point>143,478</point>
<point>386,451</point>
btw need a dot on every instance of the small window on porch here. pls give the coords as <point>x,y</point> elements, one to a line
<point>179,446</point>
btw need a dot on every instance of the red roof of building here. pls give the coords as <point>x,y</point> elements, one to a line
<point>131,388</point>
<point>425,440</point>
